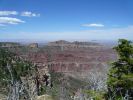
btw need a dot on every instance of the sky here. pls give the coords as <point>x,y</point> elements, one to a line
<point>48,20</point>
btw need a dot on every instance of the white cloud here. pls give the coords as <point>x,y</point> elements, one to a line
<point>10,20</point>
<point>29,14</point>
<point>24,13</point>
<point>93,25</point>
<point>5,18</point>
<point>7,13</point>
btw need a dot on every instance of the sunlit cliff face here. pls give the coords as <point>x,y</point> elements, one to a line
<point>68,59</point>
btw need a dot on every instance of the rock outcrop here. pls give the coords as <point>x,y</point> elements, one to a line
<point>33,45</point>
<point>76,44</point>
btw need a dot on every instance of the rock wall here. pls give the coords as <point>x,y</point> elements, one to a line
<point>76,44</point>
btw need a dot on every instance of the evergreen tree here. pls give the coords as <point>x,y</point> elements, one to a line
<point>12,68</point>
<point>120,77</point>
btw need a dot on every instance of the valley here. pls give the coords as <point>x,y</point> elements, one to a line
<point>78,63</point>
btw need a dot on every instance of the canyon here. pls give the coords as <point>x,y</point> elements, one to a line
<point>75,59</point>
<point>79,62</point>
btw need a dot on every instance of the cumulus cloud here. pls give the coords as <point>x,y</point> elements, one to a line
<point>6,19</point>
<point>93,25</point>
<point>29,14</point>
<point>24,13</point>
<point>7,13</point>
<point>10,20</point>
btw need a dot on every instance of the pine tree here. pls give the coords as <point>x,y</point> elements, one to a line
<point>120,77</point>
<point>12,69</point>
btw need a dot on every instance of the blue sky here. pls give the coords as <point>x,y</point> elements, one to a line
<point>47,20</point>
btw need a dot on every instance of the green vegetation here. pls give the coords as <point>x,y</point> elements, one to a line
<point>12,68</point>
<point>96,95</point>
<point>5,57</point>
<point>120,77</point>
<point>69,85</point>
<point>15,72</point>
